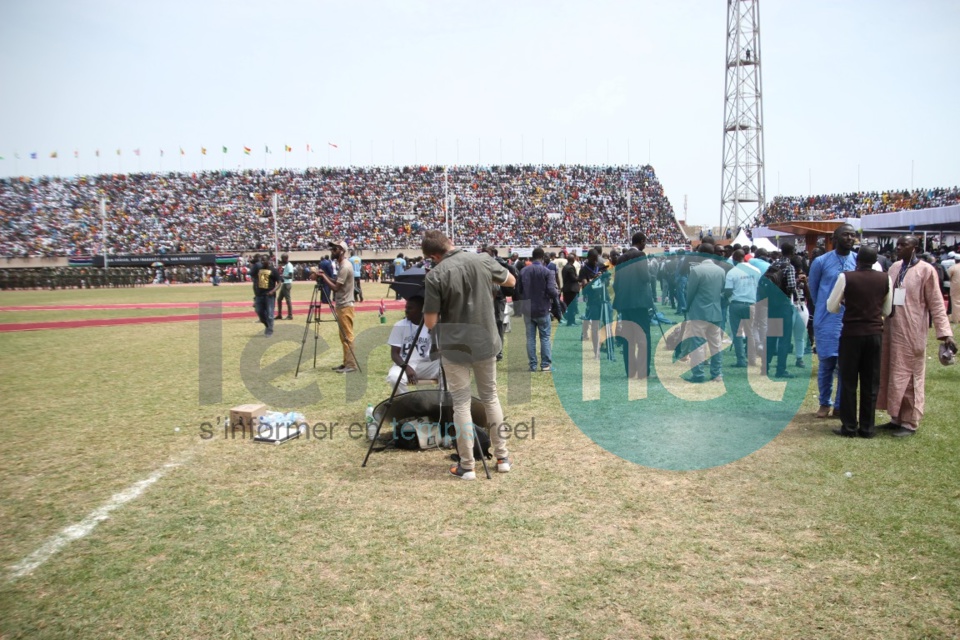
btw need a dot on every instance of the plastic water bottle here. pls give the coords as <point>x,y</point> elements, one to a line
<point>371,423</point>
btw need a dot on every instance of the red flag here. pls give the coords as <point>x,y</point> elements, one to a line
<point>333,145</point>
<point>383,307</point>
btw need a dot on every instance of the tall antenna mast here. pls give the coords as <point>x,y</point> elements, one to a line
<point>743,185</point>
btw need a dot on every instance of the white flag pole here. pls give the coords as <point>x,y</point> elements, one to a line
<point>103,230</point>
<point>276,243</point>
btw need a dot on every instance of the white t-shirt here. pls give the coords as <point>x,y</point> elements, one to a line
<point>402,336</point>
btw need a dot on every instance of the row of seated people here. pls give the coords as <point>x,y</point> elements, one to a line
<point>370,207</point>
<point>854,205</point>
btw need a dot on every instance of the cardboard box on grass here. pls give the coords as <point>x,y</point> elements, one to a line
<point>244,416</point>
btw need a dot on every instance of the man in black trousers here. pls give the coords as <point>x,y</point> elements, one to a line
<point>633,300</point>
<point>868,298</point>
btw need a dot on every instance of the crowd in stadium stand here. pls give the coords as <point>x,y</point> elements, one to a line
<point>371,207</point>
<point>854,205</point>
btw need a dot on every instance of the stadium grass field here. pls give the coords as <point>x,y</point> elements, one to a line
<point>232,539</point>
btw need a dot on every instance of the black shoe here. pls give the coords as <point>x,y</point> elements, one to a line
<point>866,434</point>
<point>784,375</point>
<point>902,432</point>
<point>843,432</point>
<point>336,368</point>
<point>888,426</point>
<point>289,317</point>
<point>278,317</point>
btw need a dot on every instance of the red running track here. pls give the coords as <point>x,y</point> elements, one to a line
<point>391,305</point>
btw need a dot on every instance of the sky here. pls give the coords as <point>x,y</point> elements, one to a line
<point>856,95</point>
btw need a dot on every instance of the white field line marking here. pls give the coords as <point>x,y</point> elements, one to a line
<point>88,524</point>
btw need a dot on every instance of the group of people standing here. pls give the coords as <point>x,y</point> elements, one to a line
<point>869,326</point>
<point>867,317</point>
<point>885,358</point>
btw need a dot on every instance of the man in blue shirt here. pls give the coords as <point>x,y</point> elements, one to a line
<point>399,265</point>
<point>741,288</point>
<point>326,266</point>
<point>827,326</point>
<point>357,290</point>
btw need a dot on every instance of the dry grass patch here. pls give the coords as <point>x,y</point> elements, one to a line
<point>299,541</point>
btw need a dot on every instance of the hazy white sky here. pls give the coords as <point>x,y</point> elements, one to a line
<point>868,88</point>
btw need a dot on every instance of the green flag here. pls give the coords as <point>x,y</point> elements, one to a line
<point>224,149</point>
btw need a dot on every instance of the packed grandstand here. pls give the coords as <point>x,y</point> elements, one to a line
<point>372,208</point>
<point>854,205</point>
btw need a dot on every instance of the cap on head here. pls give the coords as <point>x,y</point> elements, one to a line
<point>339,243</point>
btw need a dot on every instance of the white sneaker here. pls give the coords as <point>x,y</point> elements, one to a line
<point>463,474</point>
<point>503,464</point>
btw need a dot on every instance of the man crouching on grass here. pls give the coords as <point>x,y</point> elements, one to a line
<point>458,302</point>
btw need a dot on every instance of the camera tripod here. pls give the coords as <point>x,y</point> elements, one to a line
<point>313,317</point>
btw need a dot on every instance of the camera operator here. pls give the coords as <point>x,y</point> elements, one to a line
<point>342,289</point>
<point>458,299</point>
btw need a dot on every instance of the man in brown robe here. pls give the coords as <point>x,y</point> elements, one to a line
<point>903,361</point>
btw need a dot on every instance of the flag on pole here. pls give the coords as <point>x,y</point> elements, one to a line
<point>224,149</point>
<point>203,151</point>
<point>287,148</point>
<point>266,149</point>
<point>308,147</point>
<point>383,307</point>
<point>182,152</point>
<point>53,154</point>
<point>97,153</point>
<point>246,150</point>
<point>161,153</point>
<point>118,151</point>
<point>33,155</point>
<point>333,145</point>
<point>136,152</point>
<point>76,153</point>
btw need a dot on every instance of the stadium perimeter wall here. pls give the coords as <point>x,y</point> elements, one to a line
<point>382,255</point>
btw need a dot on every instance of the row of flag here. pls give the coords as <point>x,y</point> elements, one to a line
<point>203,151</point>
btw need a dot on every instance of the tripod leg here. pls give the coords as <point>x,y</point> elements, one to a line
<point>316,335</point>
<point>306,328</point>
<point>393,392</point>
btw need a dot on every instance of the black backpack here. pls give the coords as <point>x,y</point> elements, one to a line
<point>777,275</point>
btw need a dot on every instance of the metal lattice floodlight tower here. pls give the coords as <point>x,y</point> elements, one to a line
<point>743,183</point>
